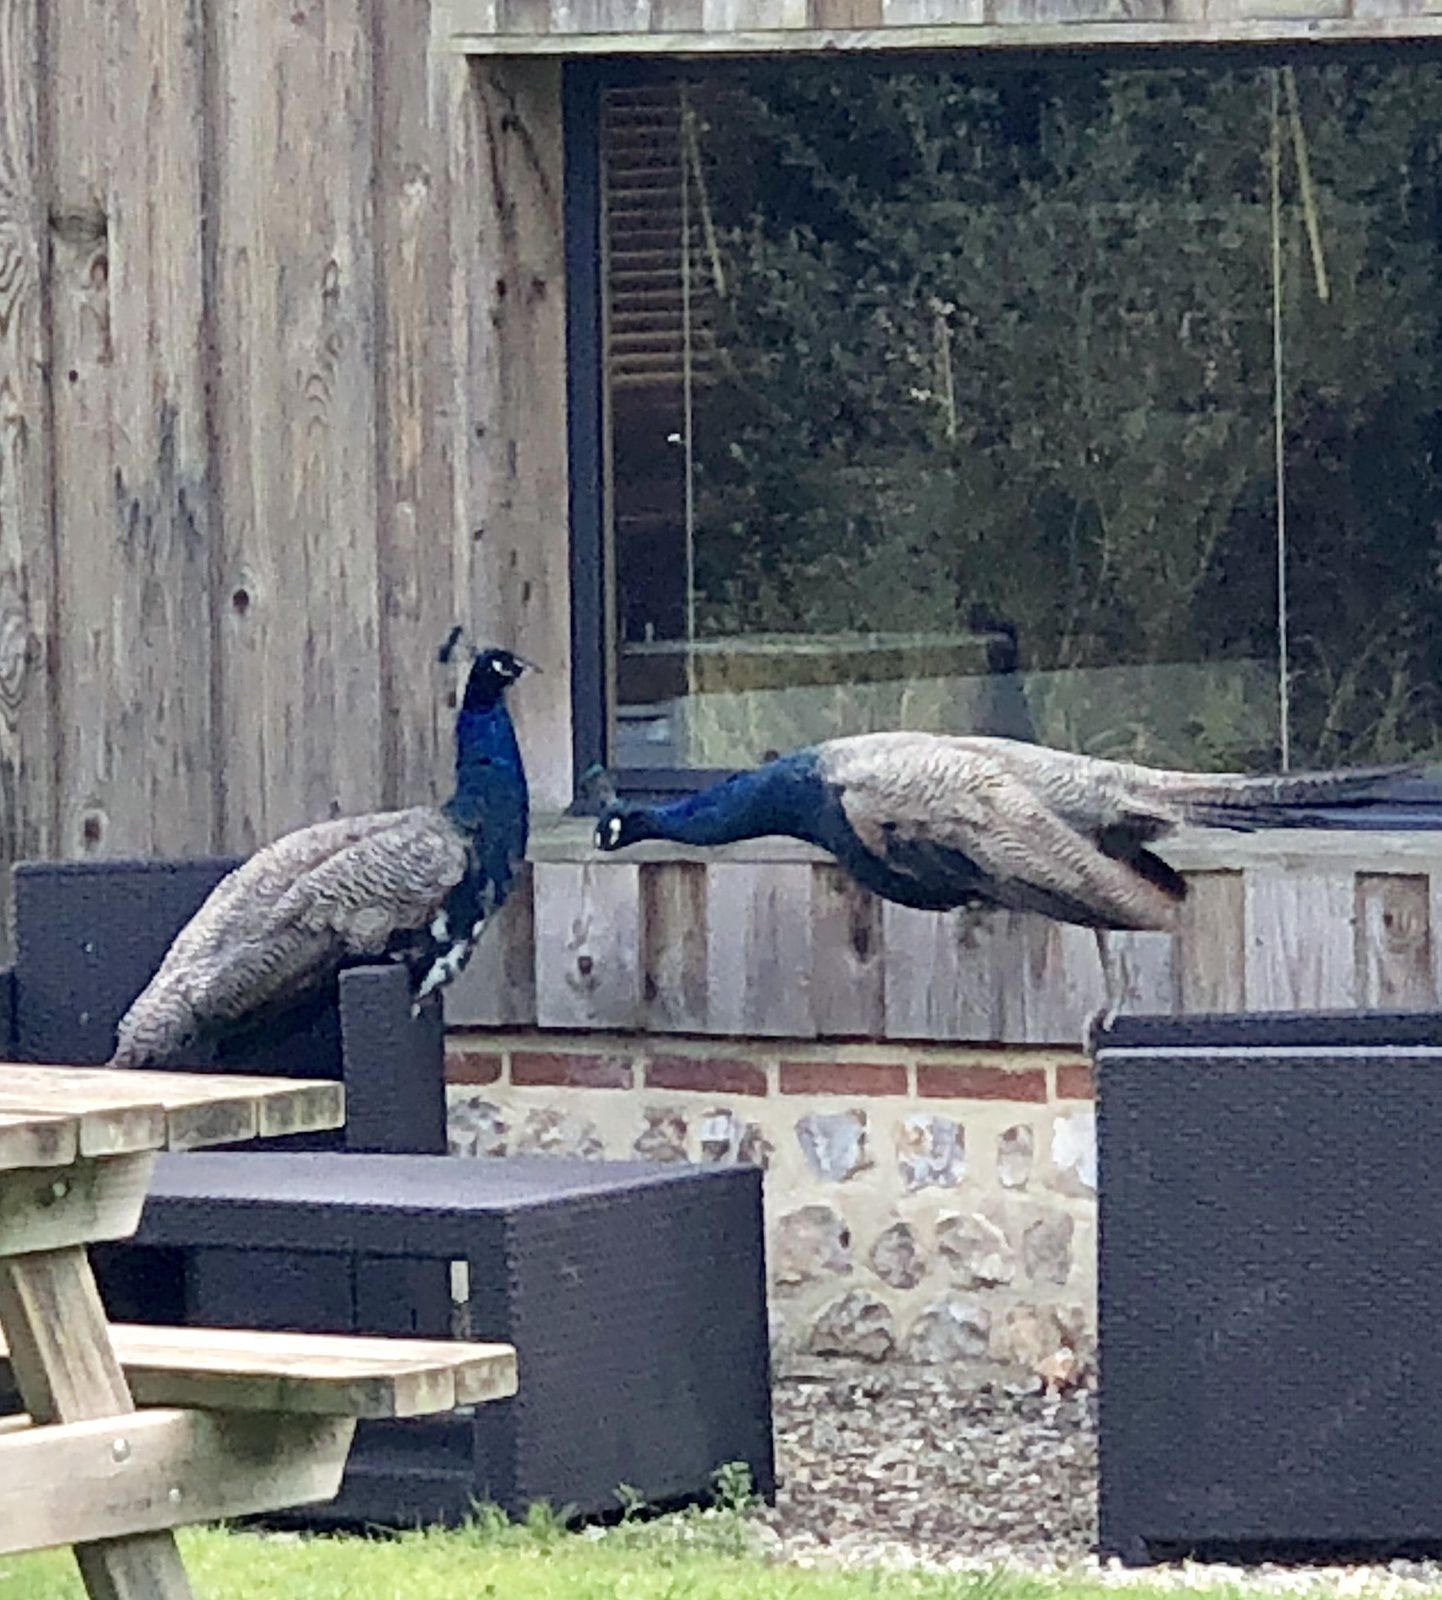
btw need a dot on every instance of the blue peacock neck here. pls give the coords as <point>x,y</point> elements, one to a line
<point>779,798</point>
<point>490,780</point>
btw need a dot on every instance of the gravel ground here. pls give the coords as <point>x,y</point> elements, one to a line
<point>908,1467</point>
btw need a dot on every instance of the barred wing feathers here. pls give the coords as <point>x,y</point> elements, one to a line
<point>944,817</point>
<point>1044,830</point>
<point>290,916</point>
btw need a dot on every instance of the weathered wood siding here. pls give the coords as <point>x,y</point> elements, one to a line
<point>281,397</point>
<point>282,324</point>
<point>742,27</point>
<point>772,941</point>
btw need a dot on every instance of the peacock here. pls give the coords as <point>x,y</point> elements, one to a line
<point>941,822</point>
<point>416,885</point>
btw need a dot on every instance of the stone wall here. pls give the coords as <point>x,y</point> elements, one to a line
<point>923,1204</point>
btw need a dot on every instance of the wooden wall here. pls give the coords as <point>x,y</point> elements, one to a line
<point>281,397</point>
<point>771,940</point>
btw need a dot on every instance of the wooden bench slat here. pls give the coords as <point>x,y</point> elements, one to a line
<point>237,1369</point>
<point>37,1139</point>
<point>100,1130</point>
<point>116,1477</point>
<point>198,1108</point>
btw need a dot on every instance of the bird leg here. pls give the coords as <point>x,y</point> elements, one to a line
<point>1099,1021</point>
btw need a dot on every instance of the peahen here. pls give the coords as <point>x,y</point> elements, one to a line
<point>415,885</point>
<point>940,822</point>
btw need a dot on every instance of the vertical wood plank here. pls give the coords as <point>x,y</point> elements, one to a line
<point>758,948</point>
<point>1394,942</point>
<point>673,946</point>
<point>1300,939</point>
<point>1434,925</point>
<point>600,16</point>
<point>845,13</point>
<point>78,68</point>
<point>676,16</point>
<point>848,994</point>
<point>67,1371</point>
<point>954,976</point>
<point>508,311</point>
<point>498,987</point>
<point>160,797</point>
<point>920,981</point>
<point>27,728</point>
<point>133,484</point>
<point>1211,944</point>
<point>416,491</point>
<point>1146,971</point>
<point>1064,981</point>
<point>300,680</point>
<point>588,944</point>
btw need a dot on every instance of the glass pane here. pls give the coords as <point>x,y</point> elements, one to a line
<point>1363,432</point>
<point>946,401</point>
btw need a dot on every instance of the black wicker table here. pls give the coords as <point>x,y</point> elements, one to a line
<point>633,1293</point>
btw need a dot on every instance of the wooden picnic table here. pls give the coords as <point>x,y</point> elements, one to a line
<point>244,1422</point>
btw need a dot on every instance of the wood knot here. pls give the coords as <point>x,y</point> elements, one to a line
<point>79,226</point>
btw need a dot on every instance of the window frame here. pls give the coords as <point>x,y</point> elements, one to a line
<point>583,81</point>
<point>582,84</point>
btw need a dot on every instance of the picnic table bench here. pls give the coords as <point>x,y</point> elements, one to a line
<point>232,1422</point>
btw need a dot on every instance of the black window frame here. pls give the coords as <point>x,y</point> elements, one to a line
<point>582,83</point>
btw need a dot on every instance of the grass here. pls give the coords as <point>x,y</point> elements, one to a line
<point>714,1554</point>
<point>464,1566</point>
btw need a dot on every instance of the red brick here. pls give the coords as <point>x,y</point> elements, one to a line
<point>938,1080</point>
<point>473,1066</point>
<point>706,1075</point>
<point>1074,1081</point>
<point>537,1070</point>
<point>843,1077</point>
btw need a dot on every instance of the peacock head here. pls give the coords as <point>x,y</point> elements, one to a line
<point>491,674</point>
<point>619,825</point>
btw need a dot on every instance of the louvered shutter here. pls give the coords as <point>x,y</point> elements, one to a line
<point>654,195</point>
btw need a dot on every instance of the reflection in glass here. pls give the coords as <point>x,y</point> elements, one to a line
<point>951,401</point>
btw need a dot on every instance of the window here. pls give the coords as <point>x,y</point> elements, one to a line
<point>1092,403</point>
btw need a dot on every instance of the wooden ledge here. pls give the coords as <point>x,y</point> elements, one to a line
<point>568,839</point>
<point>473,27</point>
<point>312,1374</point>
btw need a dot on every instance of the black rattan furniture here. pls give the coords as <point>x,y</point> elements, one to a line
<point>1269,1290</point>
<point>633,1293</point>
